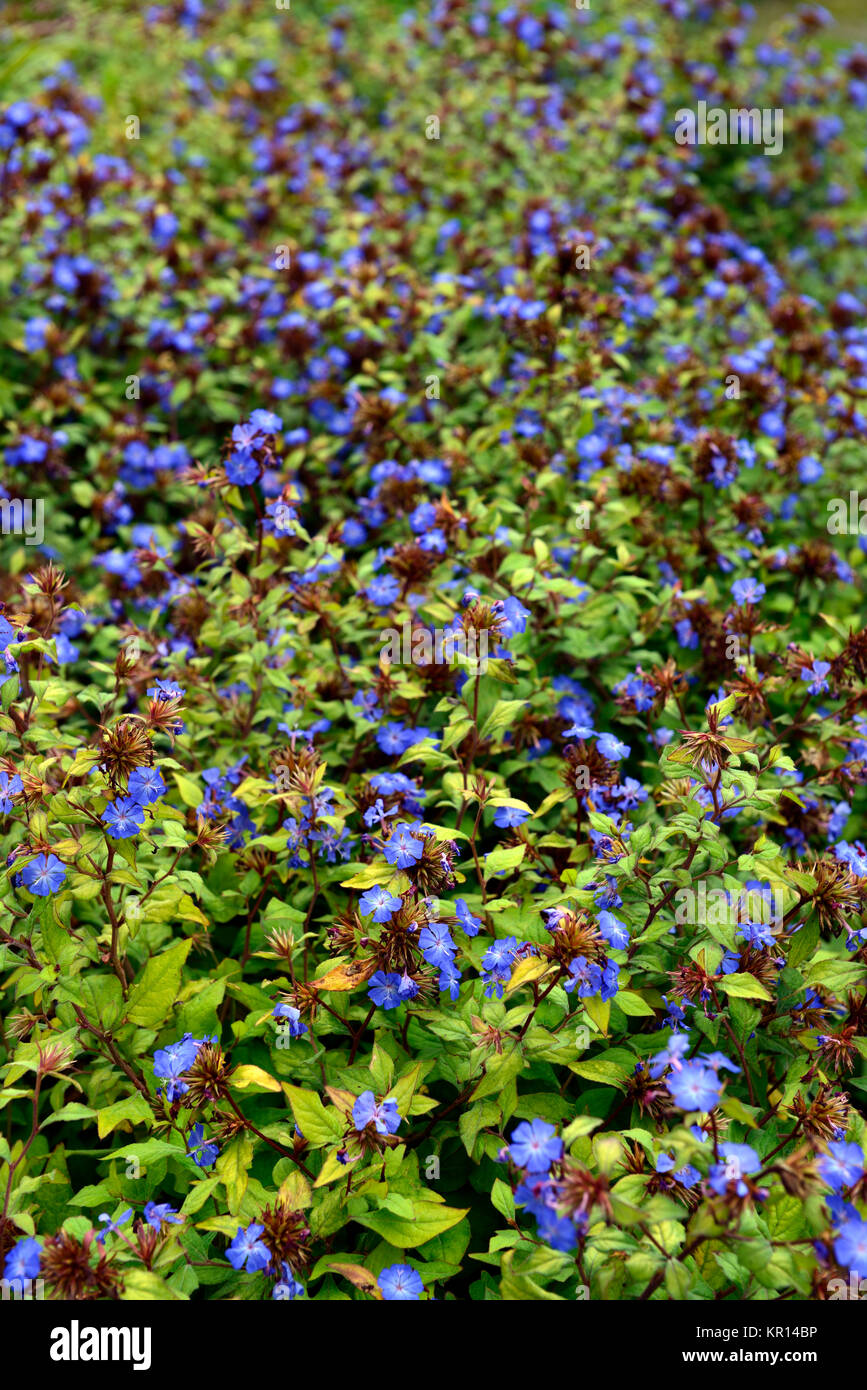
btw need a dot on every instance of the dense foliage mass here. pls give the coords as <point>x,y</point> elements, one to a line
<point>434,681</point>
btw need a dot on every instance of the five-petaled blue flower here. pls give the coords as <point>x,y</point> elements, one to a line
<point>248,1250</point>
<point>157,1214</point>
<point>44,875</point>
<point>145,785</point>
<point>386,990</point>
<point>382,1114</point>
<point>290,1020</point>
<point>815,676</point>
<point>380,902</point>
<point>694,1087</point>
<point>124,817</point>
<point>468,922</point>
<point>400,1283</point>
<point>402,848</point>
<point>850,1245</point>
<point>22,1261</point>
<point>842,1166</point>
<point>110,1225</point>
<point>535,1145</point>
<point>9,787</point>
<point>748,591</point>
<point>202,1153</point>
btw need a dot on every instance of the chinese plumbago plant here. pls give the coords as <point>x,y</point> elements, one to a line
<point>433,725</point>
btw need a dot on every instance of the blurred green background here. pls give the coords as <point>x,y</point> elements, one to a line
<point>104,38</point>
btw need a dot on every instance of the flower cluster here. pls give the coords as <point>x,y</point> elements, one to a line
<point>433,672</point>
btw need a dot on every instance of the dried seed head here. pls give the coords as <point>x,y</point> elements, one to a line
<point>287,1235</point>
<point>124,747</point>
<point>66,1264</point>
<point>208,1077</point>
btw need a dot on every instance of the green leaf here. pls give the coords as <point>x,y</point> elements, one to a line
<point>501,860</point>
<point>605,1073</point>
<point>742,986</point>
<point>428,1219</point>
<point>500,1070</point>
<point>152,999</point>
<point>501,1197</point>
<point>191,795</point>
<point>233,1167</point>
<point>504,713</point>
<point>145,1285</point>
<point>474,1119</point>
<point>133,1108</point>
<point>579,1128</point>
<point>804,943</point>
<point>318,1125</point>
<point>403,1090</point>
<point>633,1005</point>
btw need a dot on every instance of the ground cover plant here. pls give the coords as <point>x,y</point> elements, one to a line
<point>432,655</point>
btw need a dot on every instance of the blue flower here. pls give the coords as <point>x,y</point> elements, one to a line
<point>586,975</point>
<point>611,747</point>
<point>516,618</point>
<point>694,1087</point>
<point>616,933</point>
<point>748,590</point>
<point>535,1145</point>
<point>855,855</point>
<point>44,875</point>
<point>842,1166</point>
<point>469,923</point>
<point>36,331</point>
<point>109,1225</point>
<point>382,1115</point>
<point>815,676</point>
<point>247,1249</point>
<point>145,785</point>
<point>757,934</point>
<point>124,818</point>
<point>155,1215</point>
<point>850,1245</point>
<point>203,1154</point>
<point>171,1062</point>
<point>178,1057</point>
<point>677,1047</point>
<point>290,1019</point>
<point>166,690</point>
<point>165,228</point>
<point>436,944</point>
<point>506,817</point>
<point>22,1261</point>
<point>719,1062</point>
<point>687,1176</point>
<point>383,590</point>
<point>288,1287</point>
<point>400,1283</point>
<point>9,787</point>
<point>582,731</point>
<point>500,956</point>
<point>402,849</point>
<point>450,979</point>
<point>557,1231</point>
<point>380,902</point>
<point>741,1160</point>
<point>385,990</point>
<point>266,421</point>
<point>242,469</point>
<point>537,1192</point>
<point>281,517</point>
